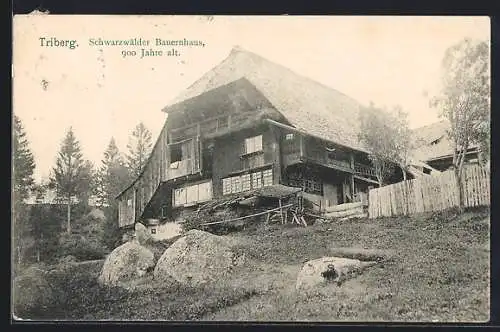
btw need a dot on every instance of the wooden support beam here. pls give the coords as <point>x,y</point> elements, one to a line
<point>352,186</point>
<point>281,211</point>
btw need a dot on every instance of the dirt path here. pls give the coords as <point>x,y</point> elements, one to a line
<point>278,300</point>
<point>271,283</point>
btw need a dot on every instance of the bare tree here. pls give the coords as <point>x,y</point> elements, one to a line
<point>378,135</point>
<point>465,101</point>
<point>402,139</point>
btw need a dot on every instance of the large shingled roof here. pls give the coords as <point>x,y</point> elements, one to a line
<point>432,141</point>
<point>308,105</point>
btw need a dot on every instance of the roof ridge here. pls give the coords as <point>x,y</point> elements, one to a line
<point>237,49</point>
<point>430,124</point>
<point>174,101</point>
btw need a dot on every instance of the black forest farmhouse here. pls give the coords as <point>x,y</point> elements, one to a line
<point>249,124</point>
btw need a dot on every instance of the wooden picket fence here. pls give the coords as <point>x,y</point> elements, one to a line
<point>430,193</point>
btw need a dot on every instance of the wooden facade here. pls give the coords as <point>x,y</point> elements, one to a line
<point>231,140</point>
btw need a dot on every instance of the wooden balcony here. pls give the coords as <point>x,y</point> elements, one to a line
<point>180,168</point>
<point>299,149</point>
<point>364,170</point>
<point>324,160</point>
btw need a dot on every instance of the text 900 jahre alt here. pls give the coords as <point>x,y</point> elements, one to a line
<point>131,47</point>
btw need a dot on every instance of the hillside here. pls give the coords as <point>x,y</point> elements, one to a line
<point>439,272</point>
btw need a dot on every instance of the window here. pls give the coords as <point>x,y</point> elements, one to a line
<point>226,186</point>
<point>179,196</point>
<point>436,141</point>
<point>256,180</point>
<point>236,184</point>
<point>153,230</point>
<point>289,137</point>
<point>205,191</point>
<point>129,202</point>
<point>181,151</point>
<point>222,122</point>
<point>267,177</point>
<point>253,144</point>
<point>193,193</point>
<point>245,182</point>
<point>164,211</point>
<point>175,153</point>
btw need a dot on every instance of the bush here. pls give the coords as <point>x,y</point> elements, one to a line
<point>86,241</point>
<point>78,292</point>
<point>80,247</point>
<point>32,294</point>
<point>196,220</point>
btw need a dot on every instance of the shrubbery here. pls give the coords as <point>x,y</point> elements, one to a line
<point>86,241</point>
<point>80,247</point>
<point>196,220</point>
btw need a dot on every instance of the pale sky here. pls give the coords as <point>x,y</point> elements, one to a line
<point>387,60</point>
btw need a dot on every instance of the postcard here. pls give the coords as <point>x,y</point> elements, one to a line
<point>251,168</point>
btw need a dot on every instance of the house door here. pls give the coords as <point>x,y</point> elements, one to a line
<point>340,194</point>
<point>347,196</point>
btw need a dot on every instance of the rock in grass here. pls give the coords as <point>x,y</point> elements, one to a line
<point>363,254</point>
<point>197,258</point>
<point>126,262</point>
<point>325,270</point>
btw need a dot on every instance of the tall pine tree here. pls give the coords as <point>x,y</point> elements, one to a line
<point>23,161</point>
<point>23,165</point>
<point>113,177</point>
<point>71,175</point>
<point>139,147</point>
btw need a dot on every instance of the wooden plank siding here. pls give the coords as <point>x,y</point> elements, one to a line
<point>226,115</point>
<point>431,193</point>
<point>229,156</point>
<point>146,185</point>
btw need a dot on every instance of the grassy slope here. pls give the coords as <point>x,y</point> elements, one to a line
<point>440,272</point>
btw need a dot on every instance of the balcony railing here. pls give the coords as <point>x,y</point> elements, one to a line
<point>179,168</point>
<point>342,165</point>
<point>364,170</point>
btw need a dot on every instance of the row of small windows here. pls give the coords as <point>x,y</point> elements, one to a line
<point>236,184</point>
<point>192,194</point>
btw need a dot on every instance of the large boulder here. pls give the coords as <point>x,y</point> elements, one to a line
<point>31,292</point>
<point>327,270</point>
<point>126,262</point>
<point>197,258</point>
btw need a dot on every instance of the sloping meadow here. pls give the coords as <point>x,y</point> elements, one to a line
<point>435,267</point>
